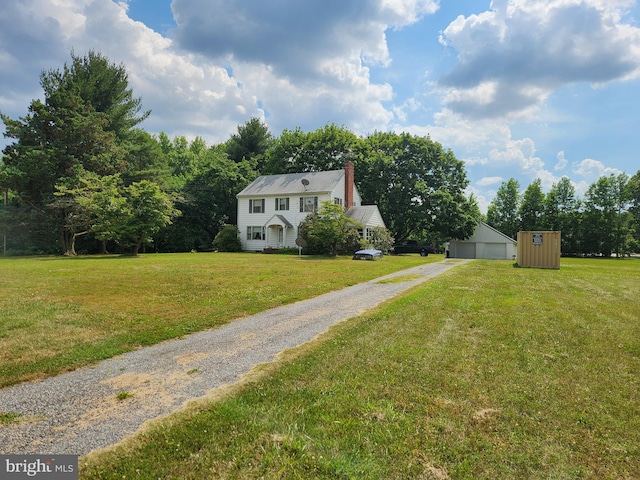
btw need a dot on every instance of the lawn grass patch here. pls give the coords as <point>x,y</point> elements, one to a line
<point>486,371</point>
<point>59,313</point>
<point>9,417</point>
<point>121,396</point>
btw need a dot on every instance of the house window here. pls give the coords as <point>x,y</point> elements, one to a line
<point>337,201</point>
<point>308,204</point>
<point>256,206</point>
<point>255,233</point>
<point>365,233</point>
<point>282,204</point>
<point>368,233</point>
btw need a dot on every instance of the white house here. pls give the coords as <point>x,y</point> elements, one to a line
<point>486,242</point>
<point>271,208</point>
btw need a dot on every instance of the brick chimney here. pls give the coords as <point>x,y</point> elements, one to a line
<point>348,184</point>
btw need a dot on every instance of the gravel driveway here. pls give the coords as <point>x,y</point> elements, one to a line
<point>77,412</point>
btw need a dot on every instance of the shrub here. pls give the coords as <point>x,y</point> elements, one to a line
<point>381,239</point>
<point>329,231</point>
<point>227,239</point>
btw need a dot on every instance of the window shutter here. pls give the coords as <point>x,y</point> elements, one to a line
<point>262,204</point>
<point>301,204</point>
<point>250,206</point>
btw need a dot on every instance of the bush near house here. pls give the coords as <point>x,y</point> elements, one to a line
<point>330,231</point>
<point>227,239</point>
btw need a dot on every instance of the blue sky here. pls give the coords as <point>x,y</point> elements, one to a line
<point>520,89</point>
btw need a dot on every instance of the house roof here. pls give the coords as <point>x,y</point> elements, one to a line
<point>291,184</point>
<point>362,214</point>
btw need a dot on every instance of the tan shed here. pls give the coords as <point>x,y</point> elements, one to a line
<point>539,249</point>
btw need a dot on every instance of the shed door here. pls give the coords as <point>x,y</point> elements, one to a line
<point>495,251</point>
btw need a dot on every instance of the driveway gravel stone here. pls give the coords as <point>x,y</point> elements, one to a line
<point>77,412</point>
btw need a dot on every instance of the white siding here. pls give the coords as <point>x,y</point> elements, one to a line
<point>272,225</point>
<point>293,216</point>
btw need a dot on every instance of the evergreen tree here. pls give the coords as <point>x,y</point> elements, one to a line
<point>85,124</point>
<point>250,143</point>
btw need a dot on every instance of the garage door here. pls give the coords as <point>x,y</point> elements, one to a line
<point>465,250</point>
<point>495,251</point>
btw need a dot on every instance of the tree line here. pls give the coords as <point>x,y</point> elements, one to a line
<point>605,222</point>
<point>81,175</point>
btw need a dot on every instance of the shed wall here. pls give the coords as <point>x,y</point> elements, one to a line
<point>539,249</point>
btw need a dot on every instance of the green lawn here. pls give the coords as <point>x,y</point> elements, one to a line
<point>60,313</point>
<point>487,371</point>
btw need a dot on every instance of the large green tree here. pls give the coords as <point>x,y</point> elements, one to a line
<point>101,84</point>
<point>633,192</point>
<point>502,213</point>
<point>531,208</point>
<point>129,215</point>
<point>207,182</point>
<point>250,143</point>
<point>561,213</point>
<point>606,219</point>
<point>418,186</point>
<point>148,209</point>
<point>85,124</point>
<point>324,149</point>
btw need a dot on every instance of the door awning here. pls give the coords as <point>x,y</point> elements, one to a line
<point>278,220</point>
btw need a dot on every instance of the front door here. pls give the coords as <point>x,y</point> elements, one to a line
<point>275,237</point>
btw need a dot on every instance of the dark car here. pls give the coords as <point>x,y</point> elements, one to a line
<point>412,246</point>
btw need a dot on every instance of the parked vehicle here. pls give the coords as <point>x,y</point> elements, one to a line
<point>367,255</point>
<point>412,246</point>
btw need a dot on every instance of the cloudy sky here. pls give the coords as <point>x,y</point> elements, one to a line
<point>516,88</point>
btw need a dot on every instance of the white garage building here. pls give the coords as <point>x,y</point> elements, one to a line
<point>486,242</point>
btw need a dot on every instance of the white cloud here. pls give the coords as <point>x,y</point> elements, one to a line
<point>486,181</point>
<point>482,199</point>
<point>295,64</point>
<point>512,57</point>
<point>593,169</point>
<point>311,59</point>
<point>488,148</point>
<point>198,96</point>
<point>562,161</point>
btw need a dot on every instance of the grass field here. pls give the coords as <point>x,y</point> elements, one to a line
<point>60,313</point>
<point>488,371</point>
